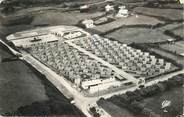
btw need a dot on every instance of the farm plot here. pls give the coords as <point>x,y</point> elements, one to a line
<point>3,53</point>
<point>172,6</point>
<point>178,31</point>
<point>114,110</point>
<point>169,26</point>
<point>17,90</point>
<point>137,35</point>
<point>168,14</point>
<point>64,18</point>
<point>129,21</point>
<point>177,47</point>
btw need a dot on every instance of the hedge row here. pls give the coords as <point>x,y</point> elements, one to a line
<point>132,100</point>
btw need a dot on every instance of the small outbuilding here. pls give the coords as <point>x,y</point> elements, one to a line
<point>123,12</point>
<point>109,8</point>
<point>88,23</point>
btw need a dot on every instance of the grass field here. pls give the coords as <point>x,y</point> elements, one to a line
<point>169,26</point>
<point>172,6</point>
<point>65,18</point>
<point>169,14</point>
<point>6,30</point>
<point>132,20</point>
<point>114,110</point>
<point>177,47</point>
<point>18,87</point>
<point>175,96</point>
<point>3,53</point>
<point>178,30</point>
<point>138,35</point>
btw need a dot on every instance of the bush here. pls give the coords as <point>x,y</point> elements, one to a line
<point>93,110</point>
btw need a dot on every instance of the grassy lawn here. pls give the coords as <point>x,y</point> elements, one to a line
<point>138,35</point>
<point>175,95</point>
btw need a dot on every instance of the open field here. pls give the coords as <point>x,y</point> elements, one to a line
<point>114,110</point>
<point>175,96</point>
<point>168,14</point>
<point>169,26</point>
<point>137,35</point>
<point>172,6</point>
<point>177,47</point>
<point>178,31</point>
<point>17,90</point>
<point>6,30</point>
<point>65,18</point>
<point>4,53</point>
<point>132,20</point>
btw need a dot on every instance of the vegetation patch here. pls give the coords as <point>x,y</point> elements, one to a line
<point>175,47</point>
<point>138,35</point>
<point>163,14</point>
<point>142,102</point>
<point>139,20</point>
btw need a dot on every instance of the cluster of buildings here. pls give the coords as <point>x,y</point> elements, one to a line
<point>131,60</point>
<point>90,62</point>
<point>109,9</point>
<point>26,39</point>
<point>80,69</point>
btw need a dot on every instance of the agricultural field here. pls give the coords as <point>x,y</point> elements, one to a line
<point>17,90</point>
<point>139,20</point>
<point>64,18</point>
<point>169,26</point>
<point>4,53</point>
<point>114,110</point>
<point>172,6</point>
<point>168,14</point>
<point>138,35</point>
<point>6,30</point>
<point>178,31</point>
<point>177,47</point>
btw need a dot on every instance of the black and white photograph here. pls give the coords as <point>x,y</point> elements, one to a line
<point>91,58</point>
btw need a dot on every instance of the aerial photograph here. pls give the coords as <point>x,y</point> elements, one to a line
<point>92,58</point>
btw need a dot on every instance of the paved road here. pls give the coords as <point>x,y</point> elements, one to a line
<point>12,50</point>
